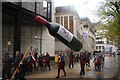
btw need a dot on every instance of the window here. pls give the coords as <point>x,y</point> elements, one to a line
<point>96,47</point>
<point>66,22</point>
<point>62,21</point>
<point>71,23</point>
<point>102,47</point>
<point>57,20</point>
<point>99,47</point>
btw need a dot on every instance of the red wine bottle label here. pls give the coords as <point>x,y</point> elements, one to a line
<point>65,33</point>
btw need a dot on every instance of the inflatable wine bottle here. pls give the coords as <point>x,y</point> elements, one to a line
<point>62,34</point>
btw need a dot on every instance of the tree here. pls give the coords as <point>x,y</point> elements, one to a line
<point>110,16</point>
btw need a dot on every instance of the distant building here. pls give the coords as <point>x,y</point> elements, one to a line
<point>103,44</point>
<point>88,35</point>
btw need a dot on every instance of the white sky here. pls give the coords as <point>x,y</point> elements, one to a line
<point>85,8</point>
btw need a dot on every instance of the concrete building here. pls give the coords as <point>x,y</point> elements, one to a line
<point>20,30</point>
<point>103,44</point>
<point>68,17</point>
<point>88,35</point>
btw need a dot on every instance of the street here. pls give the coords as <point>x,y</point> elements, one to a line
<point>109,70</point>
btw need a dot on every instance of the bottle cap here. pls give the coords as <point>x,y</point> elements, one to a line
<point>40,20</point>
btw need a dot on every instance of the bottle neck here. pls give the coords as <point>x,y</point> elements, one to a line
<point>41,20</point>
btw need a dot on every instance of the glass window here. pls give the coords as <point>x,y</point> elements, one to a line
<point>99,47</point>
<point>96,47</point>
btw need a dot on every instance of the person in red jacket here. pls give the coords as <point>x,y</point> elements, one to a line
<point>82,63</point>
<point>61,64</point>
<point>71,59</point>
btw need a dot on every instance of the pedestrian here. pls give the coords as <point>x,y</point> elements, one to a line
<point>87,59</point>
<point>76,57</point>
<point>33,57</point>
<point>22,68</point>
<point>82,63</point>
<point>97,61</point>
<point>61,64</point>
<point>71,60</point>
<point>29,67</point>
<point>40,61</point>
<point>7,65</point>
<point>47,60</point>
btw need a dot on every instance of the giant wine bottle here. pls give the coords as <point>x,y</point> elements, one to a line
<point>62,34</point>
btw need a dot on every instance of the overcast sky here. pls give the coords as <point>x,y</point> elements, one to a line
<point>85,8</point>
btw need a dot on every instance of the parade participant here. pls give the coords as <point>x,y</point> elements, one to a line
<point>82,63</point>
<point>33,58</point>
<point>87,59</point>
<point>47,60</point>
<point>40,61</point>
<point>29,67</point>
<point>97,61</point>
<point>61,64</point>
<point>76,57</point>
<point>7,64</point>
<point>23,66</point>
<point>71,60</point>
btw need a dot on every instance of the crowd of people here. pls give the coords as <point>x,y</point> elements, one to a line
<point>26,66</point>
<point>42,61</point>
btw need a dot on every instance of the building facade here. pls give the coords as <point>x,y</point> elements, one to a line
<point>103,44</point>
<point>88,35</point>
<point>19,29</point>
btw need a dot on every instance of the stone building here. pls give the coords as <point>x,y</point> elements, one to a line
<point>88,35</point>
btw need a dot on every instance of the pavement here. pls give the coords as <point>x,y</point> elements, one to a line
<point>109,71</point>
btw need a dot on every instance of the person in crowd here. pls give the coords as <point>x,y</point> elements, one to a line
<point>35,55</point>
<point>71,60</point>
<point>47,60</point>
<point>97,61</point>
<point>30,62</point>
<point>76,57</point>
<point>87,59</point>
<point>61,64</point>
<point>33,58</point>
<point>40,61</point>
<point>82,63</point>
<point>7,64</point>
<point>22,68</point>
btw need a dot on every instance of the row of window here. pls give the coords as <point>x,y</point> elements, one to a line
<point>100,47</point>
<point>99,42</point>
<point>66,21</point>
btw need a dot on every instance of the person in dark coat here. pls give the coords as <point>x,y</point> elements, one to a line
<point>71,60</point>
<point>61,64</point>
<point>29,60</point>
<point>7,64</point>
<point>23,67</point>
<point>47,60</point>
<point>87,55</point>
<point>82,63</point>
<point>40,61</point>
